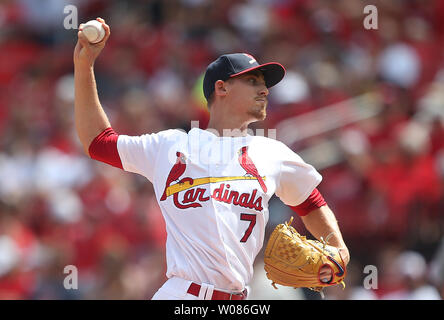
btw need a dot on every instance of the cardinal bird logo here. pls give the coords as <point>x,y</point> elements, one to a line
<point>248,165</point>
<point>176,171</point>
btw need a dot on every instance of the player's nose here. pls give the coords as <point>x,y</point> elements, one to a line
<point>264,91</point>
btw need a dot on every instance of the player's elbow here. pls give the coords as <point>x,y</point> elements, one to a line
<point>86,150</point>
<point>86,144</point>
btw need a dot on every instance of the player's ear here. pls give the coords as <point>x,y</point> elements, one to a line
<point>220,88</point>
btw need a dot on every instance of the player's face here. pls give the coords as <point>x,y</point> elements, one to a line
<point>248,93</point>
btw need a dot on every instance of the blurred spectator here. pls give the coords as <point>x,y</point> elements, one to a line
<point>413,276</point>
<point>437,269</point>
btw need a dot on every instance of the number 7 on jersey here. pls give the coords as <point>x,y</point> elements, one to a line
<point>252,219</point>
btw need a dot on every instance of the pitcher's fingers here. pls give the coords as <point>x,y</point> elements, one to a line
<point>105,26</point>
<point>81,26</point>
<point>82,39</point>
<point>324,269</point>
<point>325,272</point>
<point>107,31</point>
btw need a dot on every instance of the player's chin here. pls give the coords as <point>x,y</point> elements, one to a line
<point>259,115</point>
<point>262,115</point>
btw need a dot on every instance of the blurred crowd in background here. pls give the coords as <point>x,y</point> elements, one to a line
<point>59,208</point>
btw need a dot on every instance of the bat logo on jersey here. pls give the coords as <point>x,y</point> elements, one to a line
<point>193,195</point>
<point>248,165</point>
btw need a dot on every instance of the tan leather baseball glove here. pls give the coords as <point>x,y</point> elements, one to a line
<point>292,260</point>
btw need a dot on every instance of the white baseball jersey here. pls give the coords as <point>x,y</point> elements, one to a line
<point>214,192</point>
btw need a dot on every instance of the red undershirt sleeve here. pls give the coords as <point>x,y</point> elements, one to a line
<point>104,148</point>
<point>314,201</point>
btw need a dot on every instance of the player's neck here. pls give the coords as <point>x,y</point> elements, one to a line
<point>228,125</point>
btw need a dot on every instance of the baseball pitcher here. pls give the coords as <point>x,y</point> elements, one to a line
<point>213,186</point>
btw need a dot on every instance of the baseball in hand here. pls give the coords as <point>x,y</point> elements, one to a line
<point>93,31</point>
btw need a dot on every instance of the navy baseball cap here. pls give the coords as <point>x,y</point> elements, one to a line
<point>234,64</point>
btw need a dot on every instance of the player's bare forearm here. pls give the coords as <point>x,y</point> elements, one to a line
<point>90,118</point>
<point>322,222</point>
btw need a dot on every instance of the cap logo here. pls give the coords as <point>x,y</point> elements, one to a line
<point>253,60</point>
